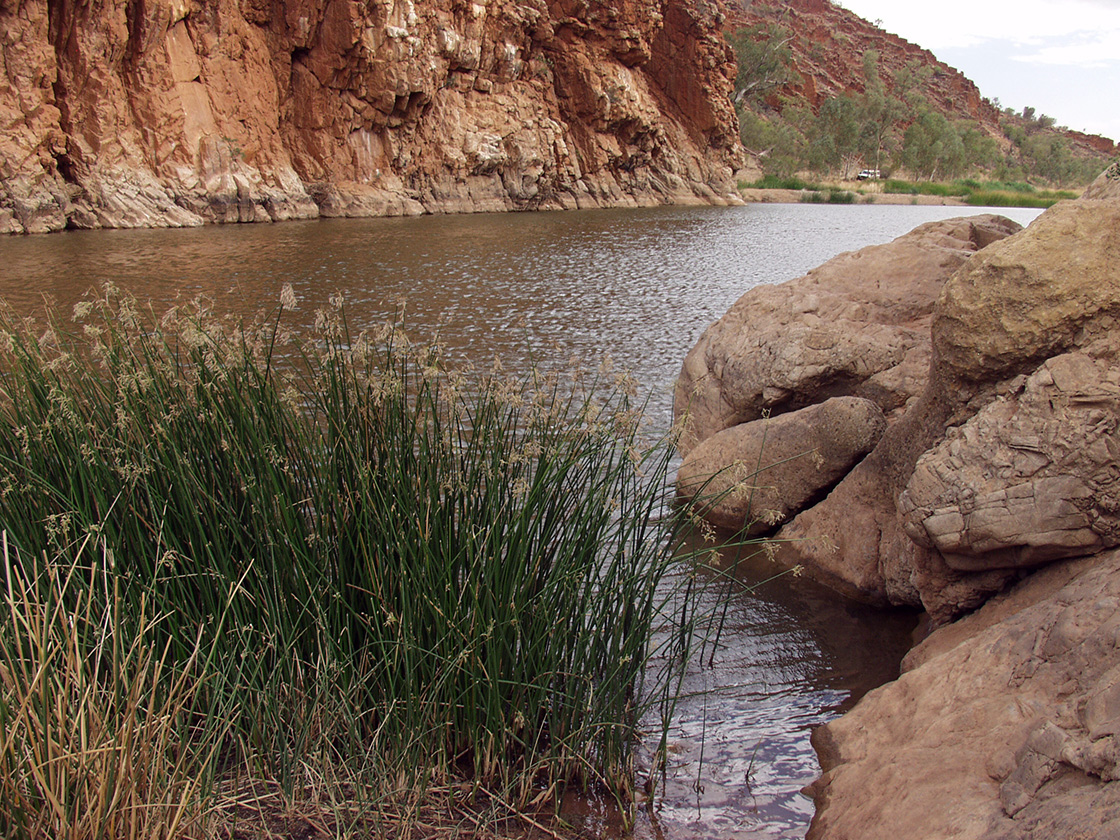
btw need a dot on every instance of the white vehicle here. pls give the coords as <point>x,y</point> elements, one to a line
<point>868,175</point>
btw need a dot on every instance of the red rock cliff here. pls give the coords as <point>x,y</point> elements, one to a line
<point>130,113</point>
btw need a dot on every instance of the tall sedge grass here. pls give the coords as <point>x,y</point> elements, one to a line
<point>365,565</point>
<point>96,735</point>
<point>983,193</point>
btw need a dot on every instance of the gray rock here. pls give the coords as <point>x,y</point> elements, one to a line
<point>754,476</point>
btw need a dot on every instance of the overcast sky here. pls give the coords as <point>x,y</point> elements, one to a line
<point>1061,57</point>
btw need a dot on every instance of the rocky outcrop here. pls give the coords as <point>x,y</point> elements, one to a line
<point>997,491</point>
<point>180,112</point>
<point>858,325</point>
<point>752,477</point>
<point>1031,478</point>
<point>1004,725</point>
<point>1001,459</point>
<point>1017,304</point>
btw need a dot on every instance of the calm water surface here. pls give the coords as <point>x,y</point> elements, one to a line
<point>638,285</point>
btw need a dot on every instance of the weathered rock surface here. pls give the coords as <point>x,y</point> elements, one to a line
<point>858,325</point>
<point>853,540</point>
<point>1106,187</point>
<point>1004,725</point>
<point>122,114</point>
<point>1015,304</point>
<point>755,475</point>
<point>1053,289</point>
<point>1032,477</point>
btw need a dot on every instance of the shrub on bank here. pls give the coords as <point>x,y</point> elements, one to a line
<point>833,196</point>
<point>328,561</point>
<point>982,193</point>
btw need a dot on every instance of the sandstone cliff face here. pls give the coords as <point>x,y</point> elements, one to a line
<point>125,113</point>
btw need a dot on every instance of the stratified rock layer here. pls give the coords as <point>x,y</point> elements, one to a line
<point>1031,478</point>
<point>1004,725</point>
<point>176,112</point>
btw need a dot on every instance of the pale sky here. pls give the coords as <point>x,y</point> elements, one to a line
<point>1061,57</point>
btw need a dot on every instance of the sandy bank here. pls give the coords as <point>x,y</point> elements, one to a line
<point>754,196</point>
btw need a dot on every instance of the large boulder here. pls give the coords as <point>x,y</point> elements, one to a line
<point>1017,303</point>
<point>1004,725</point>
<point>752,477</point>
<point>857,325</point>
<point>1049,290</point>
<point>1031,478</point>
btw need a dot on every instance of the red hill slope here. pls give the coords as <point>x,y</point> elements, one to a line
<point>828,43</point>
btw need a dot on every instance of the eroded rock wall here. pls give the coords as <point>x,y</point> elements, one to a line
<point>127,113</point>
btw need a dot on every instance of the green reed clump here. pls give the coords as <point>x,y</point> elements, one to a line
<point>982,193</point>
<point>989,198</point>
<point>396,571</point>
<point>934,188</point>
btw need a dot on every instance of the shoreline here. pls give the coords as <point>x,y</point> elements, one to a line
<point>752,195</point>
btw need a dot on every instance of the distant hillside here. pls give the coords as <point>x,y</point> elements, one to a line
<point>822,49</point>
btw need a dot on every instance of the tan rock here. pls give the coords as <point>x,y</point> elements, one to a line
<point>753,477</point>
<point>858,325</point>
<point>1031,478</point>
<point>174,113</point>
<point>1003,725</point>
<point>1106,187</point>
<point>1053,289</point>
<point>853,540</point>
<point>1019,301</point>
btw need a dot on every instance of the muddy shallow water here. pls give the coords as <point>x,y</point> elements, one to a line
<point>639,285</point>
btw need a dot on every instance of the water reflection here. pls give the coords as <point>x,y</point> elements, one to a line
<point>790,657</point>
<point>640,285</point>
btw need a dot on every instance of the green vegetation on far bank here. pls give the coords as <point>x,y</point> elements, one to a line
<point>982,193</point>
<point>246,572</point>
<point>969,191</point>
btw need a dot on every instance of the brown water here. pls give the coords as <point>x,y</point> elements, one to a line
<point>639,285</point>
